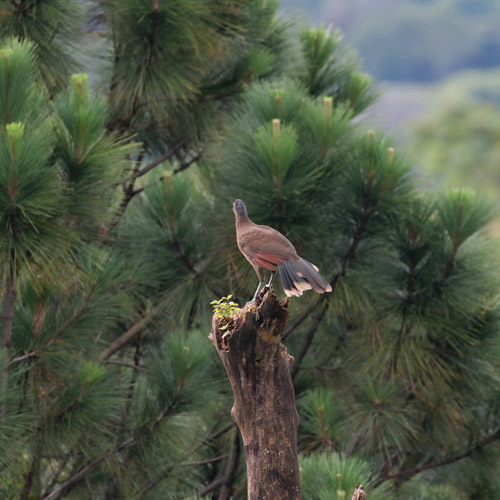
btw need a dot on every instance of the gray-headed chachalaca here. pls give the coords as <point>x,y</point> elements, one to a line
<point>266,248</point>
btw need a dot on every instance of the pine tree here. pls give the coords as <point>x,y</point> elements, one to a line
<point>117,233</point>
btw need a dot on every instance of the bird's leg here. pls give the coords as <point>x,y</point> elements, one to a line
<point>255,295</point>
<point>261,276</point>
<point>269,286</point>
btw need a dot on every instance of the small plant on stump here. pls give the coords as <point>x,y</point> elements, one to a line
<point>225,309</point>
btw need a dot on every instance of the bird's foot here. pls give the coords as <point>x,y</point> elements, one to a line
<point>258,298</point>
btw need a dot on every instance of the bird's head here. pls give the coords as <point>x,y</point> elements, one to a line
<point>240,209</point>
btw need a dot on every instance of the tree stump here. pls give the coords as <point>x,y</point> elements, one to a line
<point>258,367</point>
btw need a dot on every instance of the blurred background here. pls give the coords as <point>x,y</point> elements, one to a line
<point>438,67</point>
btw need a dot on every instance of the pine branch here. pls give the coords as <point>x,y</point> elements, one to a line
<point>131,389</point>
<point>61,467</point>
<point>300,319</point>
<point>151,37</point>
<point>231,468</point>
<point>186,259</point>
<point>136,328</point>
<point>410,289</point>
<point>211,487</point>
<point>112,490</point>
<point>61,329</point>
<point>406,475</point>
<point>164,157</point>
<point>28,480</point>
<point>72,480</point>
<point>346,261</point>
<point>89,489</point>
<point>28,355</point>
<point>438,286</point>
<point>8,316</point>
<point>63,487</point>
<point>320,368</point>
<point>433,292</point>
<point>180,168</point>
<point>180,251</point>
<point>124,123</point>
<point>306,344</point>
<point>163,474</point>
<point>187,164</point>
<point>8,310</point>
<point>25,7</point>
<point>146,429</point>
<point>75,316</point>
<point>126,365</point>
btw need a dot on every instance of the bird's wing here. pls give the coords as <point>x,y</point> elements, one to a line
<point>267,248</point>
<point>264,259</point>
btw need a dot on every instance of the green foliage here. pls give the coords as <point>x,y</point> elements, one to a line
<point>92,160</point>
<point>52,26</point>
<point>32,198</point>
<point>320,417</point>
<point>180,373</point>
<point>169,46</point>
<point>327,476</point>
<point>113,250</point>
<point>459,145</point>
<point>183,54</point>
<point>19,97</point>
<point>166,243</point>
<point>419,490</point>
<point>331,70</point>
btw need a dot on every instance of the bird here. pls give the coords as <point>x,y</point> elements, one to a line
<point>266,248</point>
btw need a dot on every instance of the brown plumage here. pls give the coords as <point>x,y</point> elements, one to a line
<point>266,248</point>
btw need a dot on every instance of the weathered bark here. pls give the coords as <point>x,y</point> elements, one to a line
<point>258,367</point>
<point>359,493</point>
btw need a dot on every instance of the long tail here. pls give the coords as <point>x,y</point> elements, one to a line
<point>301,275</point>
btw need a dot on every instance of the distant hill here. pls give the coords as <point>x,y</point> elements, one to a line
<point>413,40</point>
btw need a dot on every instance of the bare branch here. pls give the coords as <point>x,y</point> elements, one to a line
<point>406,475</point>
<point>164,157</point>
<point>186,164</point>
<point>180,168</point>
<point>128,188</point>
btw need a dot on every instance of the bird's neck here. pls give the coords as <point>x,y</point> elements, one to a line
<point>242,220</point>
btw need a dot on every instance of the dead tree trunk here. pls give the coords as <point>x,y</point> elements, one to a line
<point>258,367</point>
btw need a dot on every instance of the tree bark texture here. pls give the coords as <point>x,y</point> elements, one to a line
<point>258,367</point>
